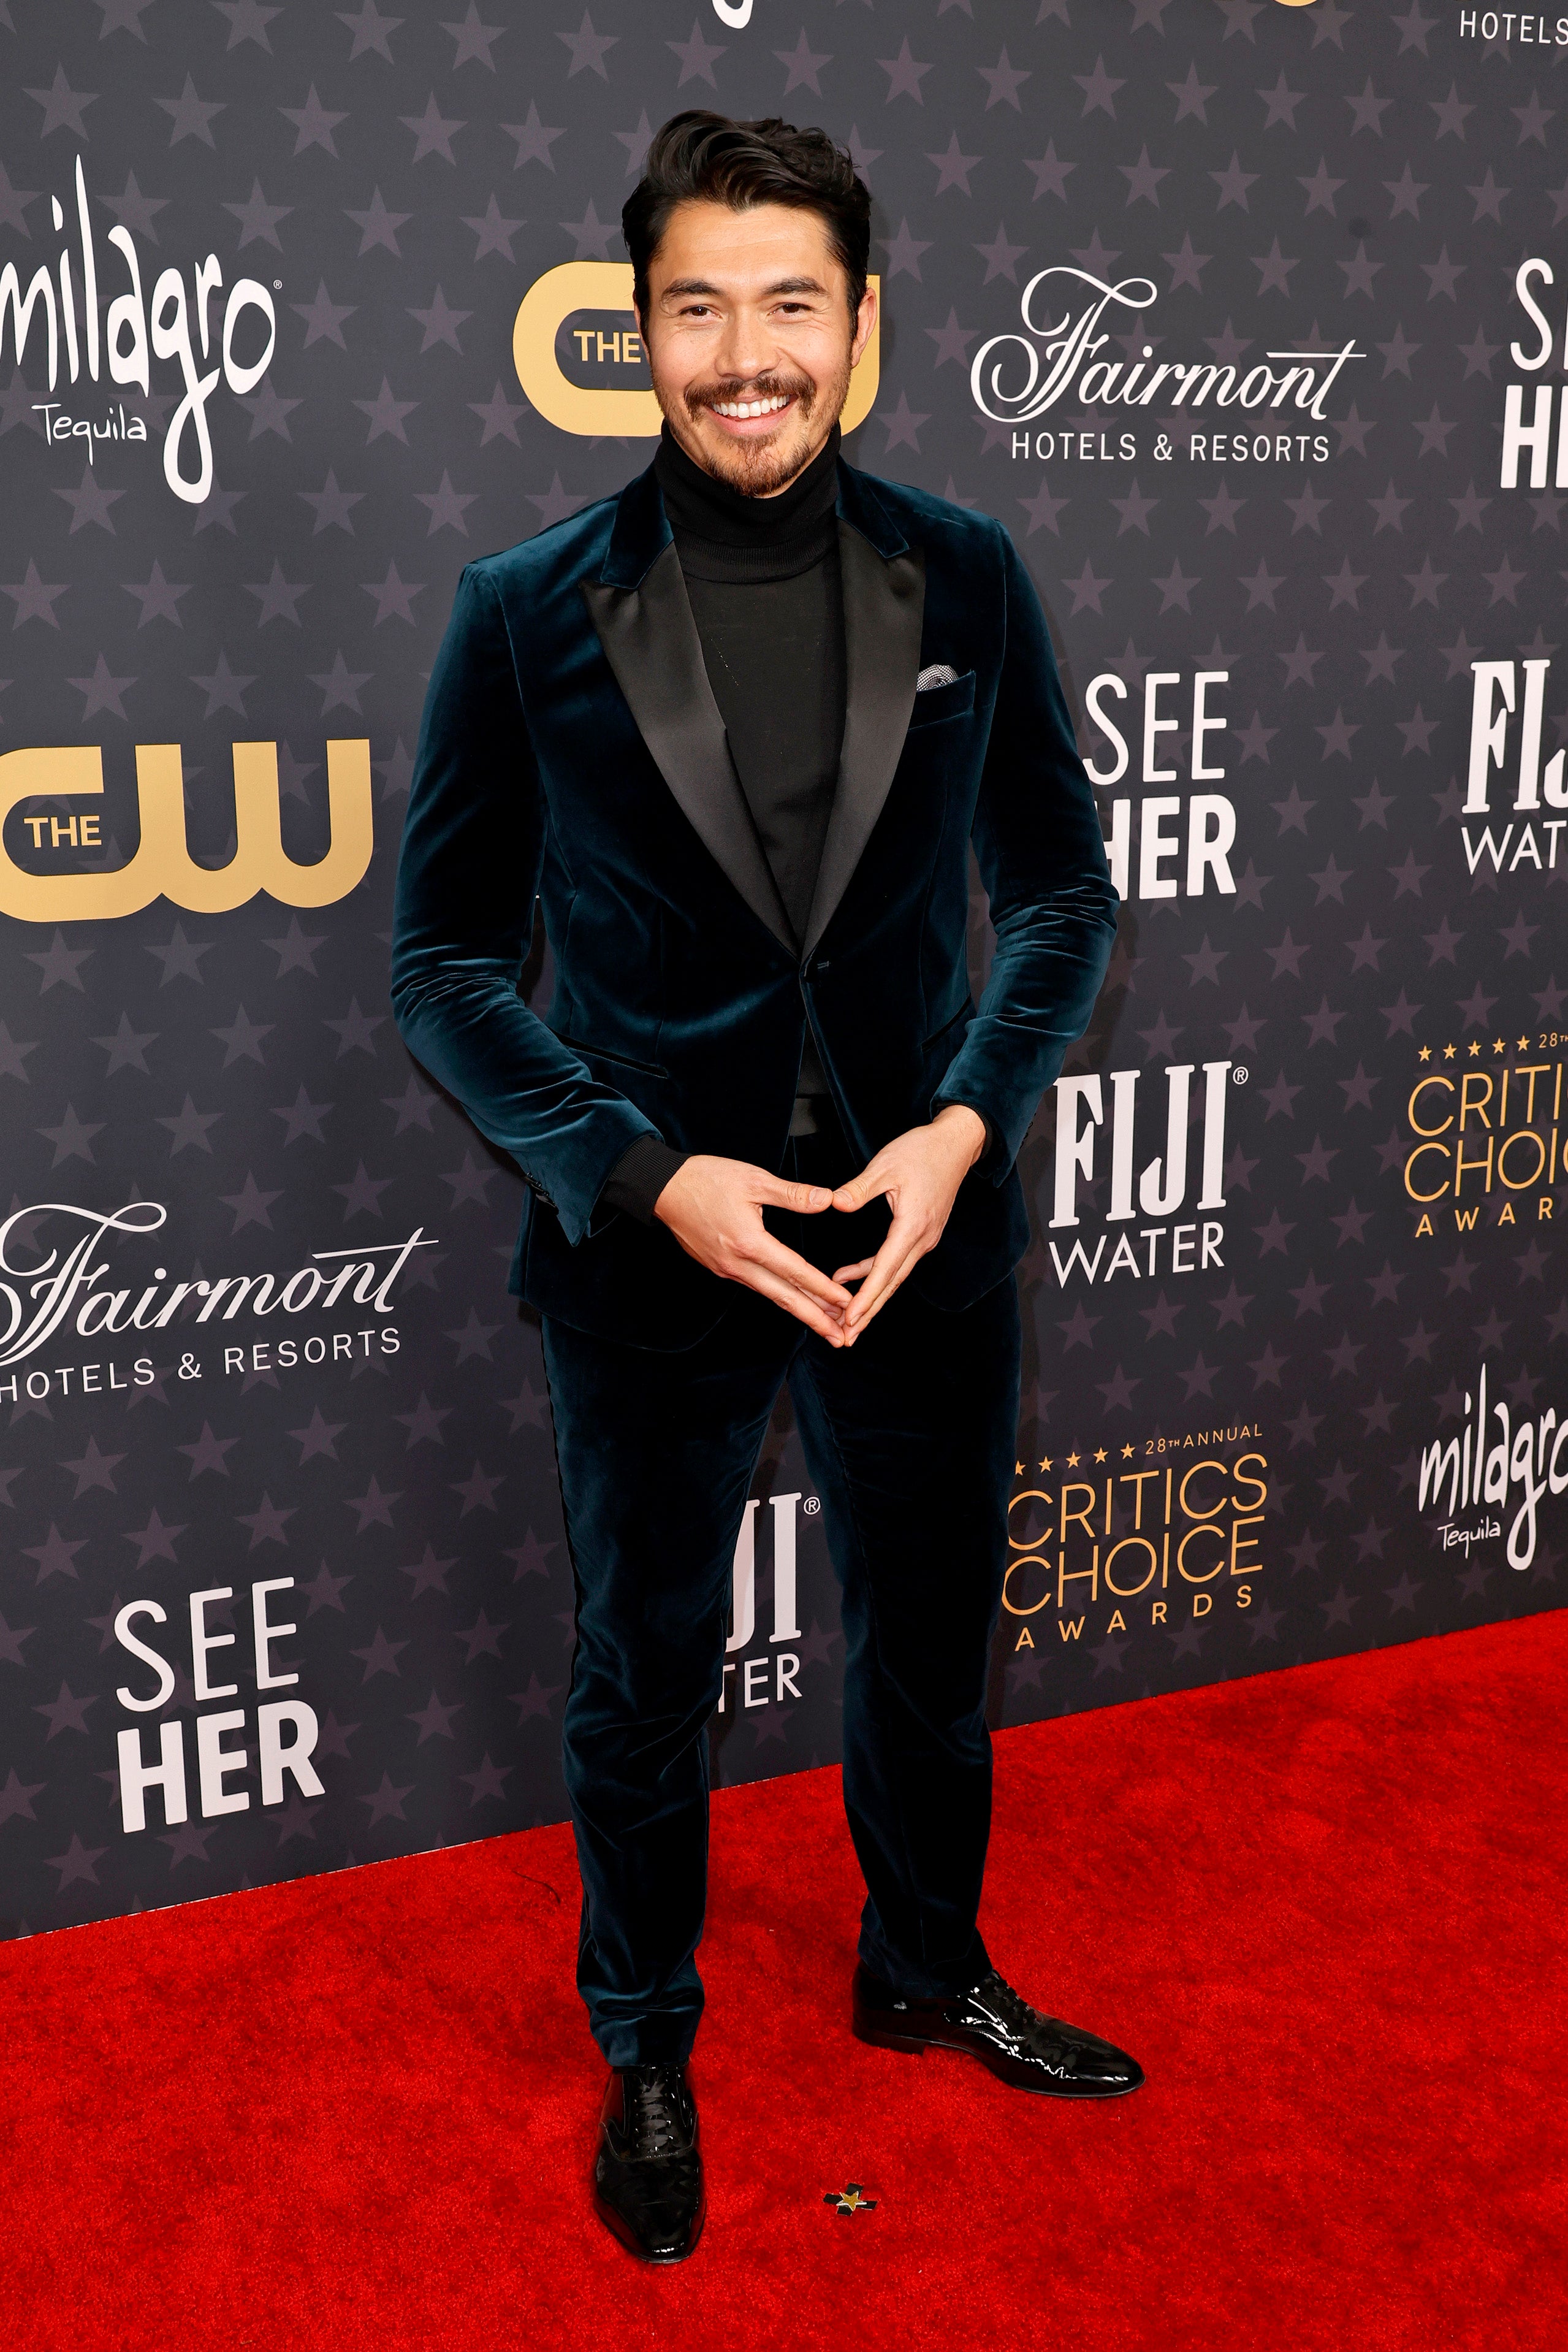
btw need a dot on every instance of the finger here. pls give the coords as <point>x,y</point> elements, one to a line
<point>892,1262</point>
<point>853,1273</point>
<point>893,1283</point>
<point>796,1302</point>
<point>775,1193</point>
<point>786,1265</point>
<point>871,1181</point>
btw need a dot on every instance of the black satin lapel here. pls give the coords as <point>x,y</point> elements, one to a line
<point>884,598</point>
<point>651,643</point>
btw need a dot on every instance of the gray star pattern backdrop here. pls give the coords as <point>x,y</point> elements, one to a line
<point>1255,1299</point>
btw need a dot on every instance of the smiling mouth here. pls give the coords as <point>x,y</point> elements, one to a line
<point>737,409</point>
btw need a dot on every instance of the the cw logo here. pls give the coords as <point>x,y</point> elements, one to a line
<point>577,320</point>
<point>162,865</point>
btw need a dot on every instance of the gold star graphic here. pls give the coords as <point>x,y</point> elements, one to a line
<point>1073,1460</point>
<point>1046,1464</point>
<point>1523,1044</point>
<point>1447,1052</point>
<point>1018,1469</point>
<point>1126,1452</point>
<point>1425,1055</point>
<point>1475,1047</point>
<point>1100,1454</point>
<point>1498,1046</point>
<point>849,2199</point>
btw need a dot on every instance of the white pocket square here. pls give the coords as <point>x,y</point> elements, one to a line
<point>939,674</point>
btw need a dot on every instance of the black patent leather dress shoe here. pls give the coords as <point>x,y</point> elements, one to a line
<point>997,2026</point>
<point>648,2175</point>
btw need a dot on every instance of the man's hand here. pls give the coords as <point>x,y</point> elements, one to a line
<point>920,1172</point>
<point>714,1208</point>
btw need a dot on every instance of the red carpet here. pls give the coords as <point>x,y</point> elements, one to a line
<point>1326,1907</point>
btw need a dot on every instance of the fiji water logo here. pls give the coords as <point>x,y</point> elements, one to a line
<point>1157,1191</point>
<point>178,319</point>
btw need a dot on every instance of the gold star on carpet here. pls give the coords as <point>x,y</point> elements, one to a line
<point>849,2199</point>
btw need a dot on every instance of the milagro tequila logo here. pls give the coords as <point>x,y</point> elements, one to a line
<point>1016,378</point>
<point>1513,1465</point>
<point>136,333</point>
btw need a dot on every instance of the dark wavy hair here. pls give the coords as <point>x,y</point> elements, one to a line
<point>707,158</point>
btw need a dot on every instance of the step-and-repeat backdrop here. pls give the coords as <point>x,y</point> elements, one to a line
<point>1248,320</point>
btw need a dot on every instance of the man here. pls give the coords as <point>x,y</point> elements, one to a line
<point>736,727</point>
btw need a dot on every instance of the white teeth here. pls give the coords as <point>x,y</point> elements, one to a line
<point>751,407</point>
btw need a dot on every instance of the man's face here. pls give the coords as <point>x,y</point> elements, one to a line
<point>750,340</point>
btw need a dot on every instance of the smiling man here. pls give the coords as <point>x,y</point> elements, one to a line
<point>736,729</point>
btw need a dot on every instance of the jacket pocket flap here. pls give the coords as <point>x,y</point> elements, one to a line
<point>940,702</point>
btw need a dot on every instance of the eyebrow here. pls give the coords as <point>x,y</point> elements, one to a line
<point>681,286</point>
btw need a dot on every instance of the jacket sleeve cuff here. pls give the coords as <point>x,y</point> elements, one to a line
<point>639,1175</point>
<point>984,1163</point>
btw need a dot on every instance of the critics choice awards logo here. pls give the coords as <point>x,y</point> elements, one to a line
<point>1482,1146</point>
<point>1138,1536</point>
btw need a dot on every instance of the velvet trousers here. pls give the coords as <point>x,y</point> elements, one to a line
<point>909,1437</point>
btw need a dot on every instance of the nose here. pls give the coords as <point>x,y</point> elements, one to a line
<point>745,348</point>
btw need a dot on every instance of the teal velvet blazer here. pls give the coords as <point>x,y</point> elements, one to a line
<point>571,749</point>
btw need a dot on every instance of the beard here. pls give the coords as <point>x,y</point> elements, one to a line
<point>759,467</point>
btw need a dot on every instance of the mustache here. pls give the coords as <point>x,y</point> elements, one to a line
<point>774,385</point>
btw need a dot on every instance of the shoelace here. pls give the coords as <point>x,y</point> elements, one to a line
<point>655,2123</point>
<point>1026,2022</point>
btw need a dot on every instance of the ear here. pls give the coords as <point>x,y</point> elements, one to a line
<point>865,319</point>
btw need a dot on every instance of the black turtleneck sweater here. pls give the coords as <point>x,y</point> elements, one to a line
<point>762,578</point>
